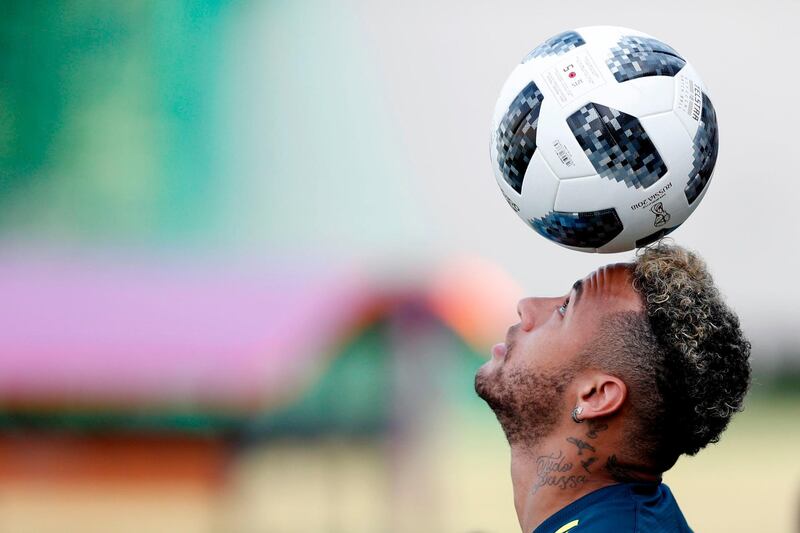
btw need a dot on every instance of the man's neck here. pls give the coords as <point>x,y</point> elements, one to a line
<point>564,467</point>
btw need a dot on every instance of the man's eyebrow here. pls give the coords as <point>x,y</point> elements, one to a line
<point>578,288</point>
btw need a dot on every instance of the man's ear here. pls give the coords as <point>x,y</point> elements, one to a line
<point>600,395</point>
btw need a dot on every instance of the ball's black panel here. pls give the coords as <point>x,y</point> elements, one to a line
<point>516,135</point>
<point>591,229</point>
<point>617,145</point>
<point>557,45</point>
<point>706,144</point>
<point>636,57</point>
<point>653,237</point>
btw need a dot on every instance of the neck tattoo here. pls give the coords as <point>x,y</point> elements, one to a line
<point>554,471</point>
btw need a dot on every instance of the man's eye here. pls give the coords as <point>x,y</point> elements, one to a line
<point>563,308</point>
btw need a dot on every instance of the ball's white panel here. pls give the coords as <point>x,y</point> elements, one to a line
<point>539,189</point>
<point>559,147</point>
<point>639,97</point>
<point>663,207</point>
<point>592,193</point>
<point>688,100</point>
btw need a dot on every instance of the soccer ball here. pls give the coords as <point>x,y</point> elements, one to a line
<point>604,139</point>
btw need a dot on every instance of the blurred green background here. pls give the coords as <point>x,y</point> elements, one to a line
<point>253,253</point>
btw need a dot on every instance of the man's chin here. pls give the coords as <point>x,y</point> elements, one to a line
<point>486,379</point>
<point>524,403</point>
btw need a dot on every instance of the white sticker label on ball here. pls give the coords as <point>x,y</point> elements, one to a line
<point>575,75</point>
<point>563,154</point>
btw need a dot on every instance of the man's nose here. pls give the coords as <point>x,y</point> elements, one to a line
<point>530,311</point>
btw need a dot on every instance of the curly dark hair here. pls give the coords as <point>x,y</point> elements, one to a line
<point>685,360</point>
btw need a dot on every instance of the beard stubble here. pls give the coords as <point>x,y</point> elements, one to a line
<point>526,403</point>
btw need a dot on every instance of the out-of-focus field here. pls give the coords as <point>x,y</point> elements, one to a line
<point>451,478</point>
<point>750,480</point>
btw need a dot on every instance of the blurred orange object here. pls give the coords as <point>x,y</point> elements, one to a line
<point>115,458</point>
<point>476,298</point>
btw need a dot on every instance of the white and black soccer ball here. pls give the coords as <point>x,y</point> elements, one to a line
<point>604,139</point>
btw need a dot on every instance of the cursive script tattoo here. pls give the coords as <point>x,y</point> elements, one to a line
<point>587,463</point>
<point>595,428</point>
<point>553,471</point>
<point>580,444</point>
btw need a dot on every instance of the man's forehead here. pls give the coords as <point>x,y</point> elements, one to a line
<point>620,272</point>
<point>613,280</point>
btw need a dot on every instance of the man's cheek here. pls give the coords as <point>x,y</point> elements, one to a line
<point>539,351</point>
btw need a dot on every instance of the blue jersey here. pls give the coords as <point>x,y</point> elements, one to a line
<point>622,508</point>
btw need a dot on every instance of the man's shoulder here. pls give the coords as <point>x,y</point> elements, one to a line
<point>625,507</point>
<point>615,513</point>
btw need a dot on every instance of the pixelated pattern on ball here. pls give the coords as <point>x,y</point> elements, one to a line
<point>706,144</point>
<point>516,135</point>
<point>560,44</point>
<point>653,237</point>
<point>617,145</point>
<point>590,229</point>
<point>636,57</point>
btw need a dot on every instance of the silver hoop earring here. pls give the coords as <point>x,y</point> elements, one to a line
<point>575,412</point>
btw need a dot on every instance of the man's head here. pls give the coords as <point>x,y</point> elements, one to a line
<point>648,345</point>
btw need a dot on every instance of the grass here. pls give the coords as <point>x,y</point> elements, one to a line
<point>449,474</point>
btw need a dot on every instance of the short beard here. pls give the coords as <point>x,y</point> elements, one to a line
<point>527,404</point>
